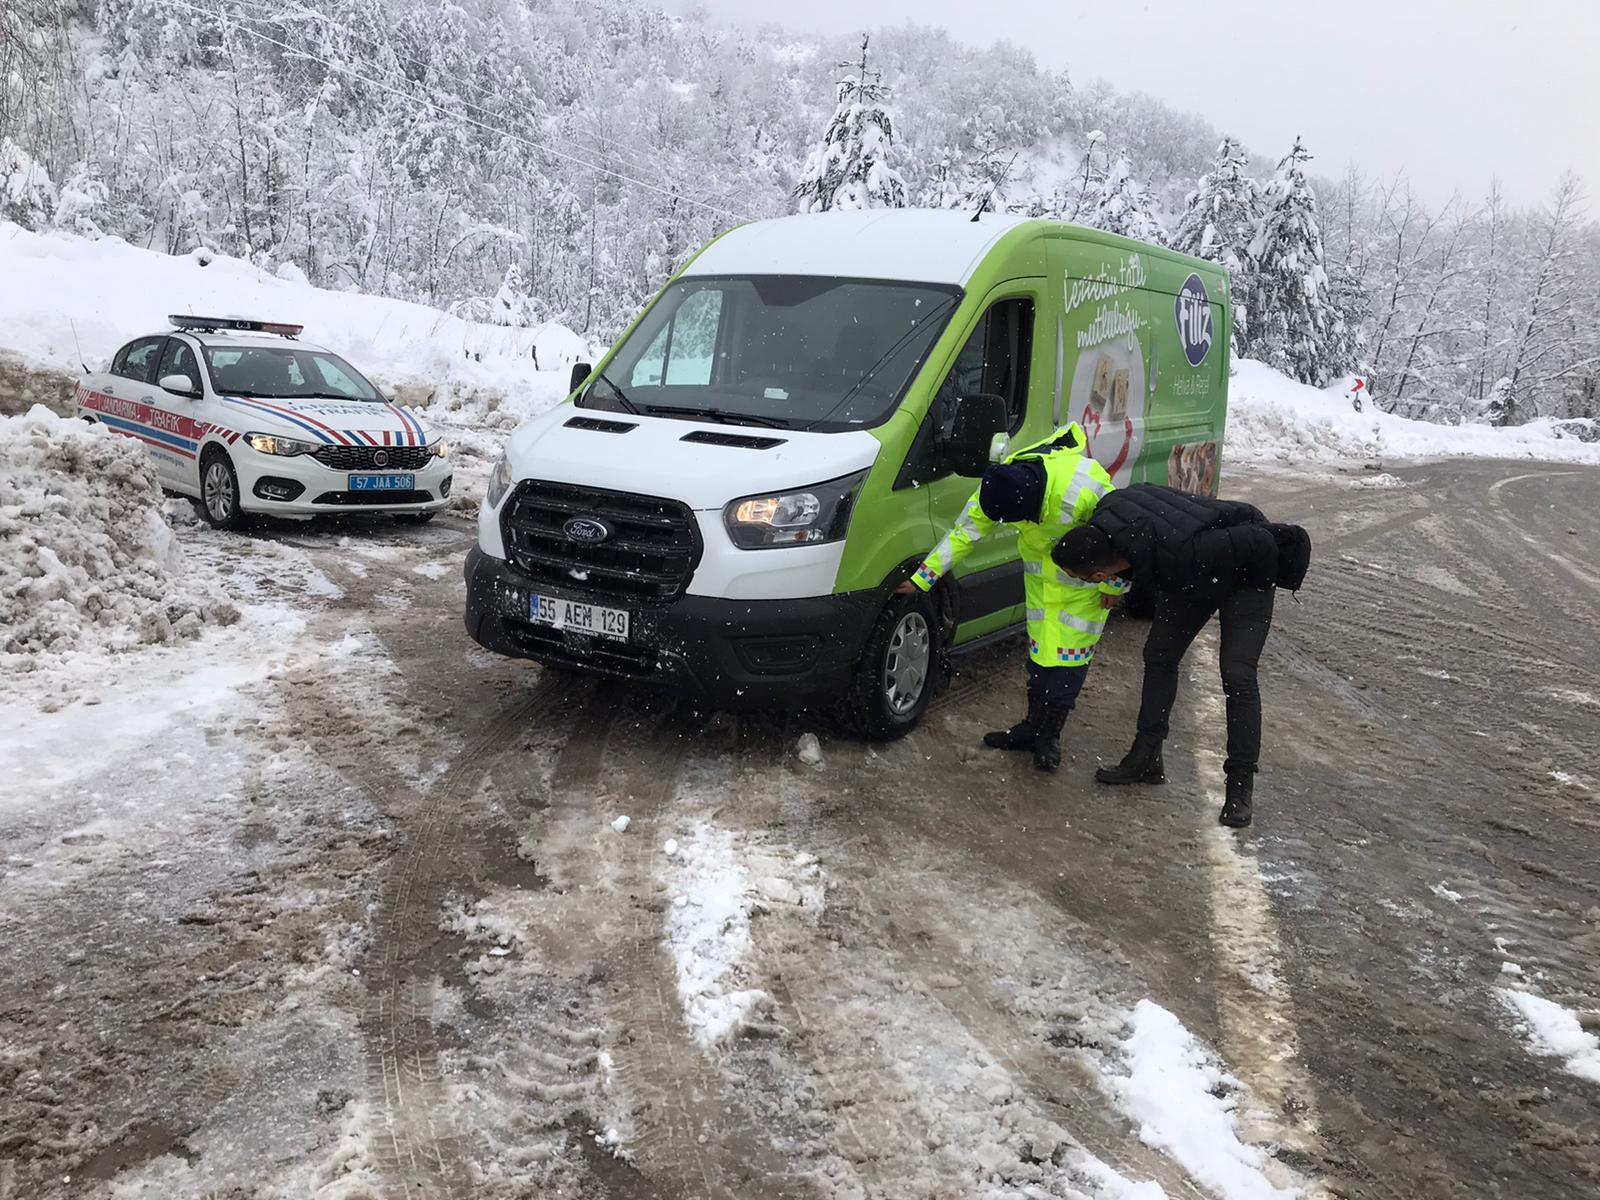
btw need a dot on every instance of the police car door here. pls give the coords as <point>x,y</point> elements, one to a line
<point>127,403</point>
<point>176,414</point>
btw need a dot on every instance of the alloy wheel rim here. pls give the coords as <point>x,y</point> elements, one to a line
<point>905,665</point>
<point>219,492</point>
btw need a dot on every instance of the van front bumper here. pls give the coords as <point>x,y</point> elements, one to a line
<point>731,654</point>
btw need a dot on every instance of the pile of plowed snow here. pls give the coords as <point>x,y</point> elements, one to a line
<point>1272,418</point>
<point>87,562</point>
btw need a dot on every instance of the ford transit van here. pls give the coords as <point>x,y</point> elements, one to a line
<point>726,502</point>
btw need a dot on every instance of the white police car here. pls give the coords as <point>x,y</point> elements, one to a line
<point>242,417</point>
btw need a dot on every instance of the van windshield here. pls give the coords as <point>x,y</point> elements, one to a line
<point>791,352</point>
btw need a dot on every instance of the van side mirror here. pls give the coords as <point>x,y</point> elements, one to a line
<point>972,431</point>
<point>179,385</point>
<point>580,375</point>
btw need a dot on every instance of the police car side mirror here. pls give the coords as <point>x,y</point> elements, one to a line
<point>179,385</point>
<point>972,433</point>
<point>580,375</point>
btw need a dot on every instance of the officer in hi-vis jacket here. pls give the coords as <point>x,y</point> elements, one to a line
<point>1044,490</point>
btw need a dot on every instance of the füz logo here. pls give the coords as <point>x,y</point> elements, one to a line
<point>1193,311</point>
<point>586,531</point>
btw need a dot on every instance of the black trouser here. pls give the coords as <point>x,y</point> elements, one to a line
<point>1245,616</point>
<point>1056,686</point>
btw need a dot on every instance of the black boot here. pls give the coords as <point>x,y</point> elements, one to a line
<point>1047,742</point>
<point>1142,764</point>
<point>1236,806</point>
<point>1021,735</point>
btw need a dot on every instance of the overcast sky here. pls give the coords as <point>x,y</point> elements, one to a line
<point>1453,91</point>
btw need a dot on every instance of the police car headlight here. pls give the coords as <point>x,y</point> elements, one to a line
<point>499,483</point>
<point>803,517</point>
<point>272,443</point>
<point>439,449</point>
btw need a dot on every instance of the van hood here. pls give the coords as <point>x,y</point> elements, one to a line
<point>678,459</point>
<point>332,422</point>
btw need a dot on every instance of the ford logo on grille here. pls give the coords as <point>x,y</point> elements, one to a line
<point>586,530</point>
<point>380,458</point>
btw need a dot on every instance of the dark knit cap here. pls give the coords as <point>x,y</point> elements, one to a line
<point>1012,492</point>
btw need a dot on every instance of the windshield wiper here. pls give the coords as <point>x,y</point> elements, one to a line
<point>622,397</point>
<point>718,414</point>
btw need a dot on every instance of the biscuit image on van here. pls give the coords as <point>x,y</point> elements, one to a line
<point>1119,395</point>
<point>1100,393</point>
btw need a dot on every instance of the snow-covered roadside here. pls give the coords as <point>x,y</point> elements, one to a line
<point>101,293</point>
<point>87,561</point>
<point>1271,418</point>
<point>116,624</point>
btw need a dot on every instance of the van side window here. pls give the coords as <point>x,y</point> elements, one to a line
<point>683,353</point>
<point>137,360</point>
<point>994,361</point>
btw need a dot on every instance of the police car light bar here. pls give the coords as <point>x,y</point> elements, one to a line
<point>243,324</point>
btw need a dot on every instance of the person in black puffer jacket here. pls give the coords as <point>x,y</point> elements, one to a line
<point>1199,556</point>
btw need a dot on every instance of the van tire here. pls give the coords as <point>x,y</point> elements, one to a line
<point>905,640</point>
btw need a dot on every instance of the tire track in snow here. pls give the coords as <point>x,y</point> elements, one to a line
<point>1255,1012</point>
<point>693,1132</point>
<point>420,1153</point>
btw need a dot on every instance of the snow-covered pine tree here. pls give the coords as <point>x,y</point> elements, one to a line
<point>853,166</point>
<point>1219,222</point>
<point>1123,206</point>
<point>1295,325</point>
<point>1501,409</point>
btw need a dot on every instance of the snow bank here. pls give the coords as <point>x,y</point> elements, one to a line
<point>1181,1097</point>
<point>1555,1032</point>
<point>86,559</point>
<point>103,292</point>
<point>1273,418</point>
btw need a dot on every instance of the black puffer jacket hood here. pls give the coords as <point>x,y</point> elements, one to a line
<point>1179,542</point>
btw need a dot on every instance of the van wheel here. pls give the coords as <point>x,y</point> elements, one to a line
<point>895,679</point>
<point>219,491</point>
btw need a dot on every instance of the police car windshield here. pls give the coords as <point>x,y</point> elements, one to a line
<point>285,373</point>
<point>795,352</point>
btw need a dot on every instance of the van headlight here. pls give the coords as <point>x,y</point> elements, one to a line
<point>499,483</point>
<point>802,517</point>
<point>273,443</point>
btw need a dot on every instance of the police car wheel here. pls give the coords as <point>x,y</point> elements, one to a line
<point>219,492</point>
<point>895,679</point>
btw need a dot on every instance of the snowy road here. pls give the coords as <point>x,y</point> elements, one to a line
<point>366,927</point>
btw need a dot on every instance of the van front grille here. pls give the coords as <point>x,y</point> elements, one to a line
<point>651,548</point>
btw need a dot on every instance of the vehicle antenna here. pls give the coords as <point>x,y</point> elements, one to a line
<point>993,188</point>
<point>75,342</point>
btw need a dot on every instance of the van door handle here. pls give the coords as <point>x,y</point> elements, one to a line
<point>109,390</point>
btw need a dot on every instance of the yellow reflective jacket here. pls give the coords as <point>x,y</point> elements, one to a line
<point>1065,615</point>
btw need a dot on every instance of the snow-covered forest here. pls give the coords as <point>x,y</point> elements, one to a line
<point>537,160</point>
